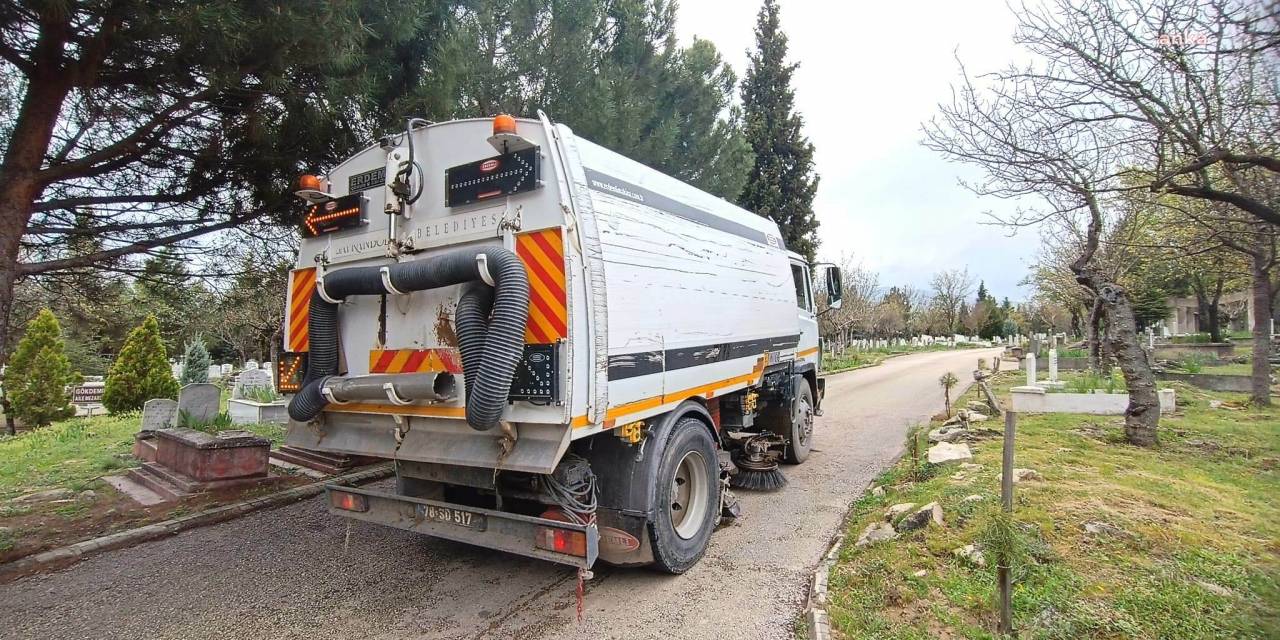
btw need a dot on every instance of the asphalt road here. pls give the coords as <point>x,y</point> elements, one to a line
<point>297,572</point>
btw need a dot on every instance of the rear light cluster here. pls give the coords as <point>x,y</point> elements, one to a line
<point>348,501</point>
<point>573,543</point>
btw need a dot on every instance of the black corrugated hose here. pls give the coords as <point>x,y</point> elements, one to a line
<point>490,324</point>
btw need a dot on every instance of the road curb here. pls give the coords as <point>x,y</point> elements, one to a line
<point>62,556</point>
<point>815,611</point>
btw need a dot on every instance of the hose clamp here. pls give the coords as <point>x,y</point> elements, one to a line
<point>394,397</point>
<point>328,395</point>
<point>385,272</point>
<point>482,264</point>
<point>320,290</point>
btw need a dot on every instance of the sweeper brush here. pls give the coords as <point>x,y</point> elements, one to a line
<point>758,465</point>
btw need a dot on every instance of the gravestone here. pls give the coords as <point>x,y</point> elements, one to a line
<point>226,369</point>
<point>158,413</point>
<point>1030,362</point>
<point>199,401</point>
<point>251,378</point>
<point>250,365</point>
<point>214,372</point>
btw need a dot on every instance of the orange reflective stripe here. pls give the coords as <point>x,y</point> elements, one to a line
<point>543,258</point>
<point>302,283</point>
<point>436,360</point>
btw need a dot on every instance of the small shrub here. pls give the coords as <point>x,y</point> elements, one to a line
<point>141,371</point>
<point>196,362</point>
<point>1192,363</point>
<point>264,395</point>
<point>39,374</point>
<point>219,422</point>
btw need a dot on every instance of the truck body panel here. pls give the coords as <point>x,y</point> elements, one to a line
<point>648,298</point>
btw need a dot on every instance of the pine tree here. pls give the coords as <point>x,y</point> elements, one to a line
<point>196,362</point>
<point>39,374</point>
<point>141,371</point>
<point>782,182</point>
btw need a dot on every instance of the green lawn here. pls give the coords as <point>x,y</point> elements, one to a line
<point>73,455</point>
<point>68,454</point>
<point>871,357</point>
<point>1198,556</point>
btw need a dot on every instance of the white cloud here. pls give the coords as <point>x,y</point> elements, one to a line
<point>869,75</point>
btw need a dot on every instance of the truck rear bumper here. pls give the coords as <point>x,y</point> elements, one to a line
<point>510,532</point>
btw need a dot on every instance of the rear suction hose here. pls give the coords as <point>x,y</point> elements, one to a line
<point>490,323</point>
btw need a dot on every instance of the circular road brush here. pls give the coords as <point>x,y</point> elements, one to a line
<point>757,466</point>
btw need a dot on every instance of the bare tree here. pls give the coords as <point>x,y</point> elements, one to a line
<point>950,290</point>
<point>1029,145</point>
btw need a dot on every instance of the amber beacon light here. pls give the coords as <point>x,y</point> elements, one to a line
<point>503,123</point>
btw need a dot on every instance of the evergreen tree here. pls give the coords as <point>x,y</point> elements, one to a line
<point>613,71</point>
<point>39,374</point>
<point>983,294</point>
<point>141,371</point>
<point>782,182</point>
<point>196,362</point>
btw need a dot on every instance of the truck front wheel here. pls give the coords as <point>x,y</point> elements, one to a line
<point>687,497</point>
<point>796,425</point>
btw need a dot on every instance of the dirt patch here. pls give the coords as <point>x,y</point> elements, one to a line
<point>444,325</point>
<point>51,525</point>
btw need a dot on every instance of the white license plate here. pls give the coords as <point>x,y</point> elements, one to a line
<point>449,515</point>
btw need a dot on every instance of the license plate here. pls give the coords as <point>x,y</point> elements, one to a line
<point>449,515</point>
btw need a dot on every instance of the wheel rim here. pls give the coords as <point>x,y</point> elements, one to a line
<point>804,418</point>
<point>689,501</point>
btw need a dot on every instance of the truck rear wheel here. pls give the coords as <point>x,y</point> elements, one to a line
<point>796,425</point>
<point>687,497</point>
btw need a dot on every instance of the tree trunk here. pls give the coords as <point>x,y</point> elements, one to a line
<point>1095,335</point>
<point>1142,418</point>
<point>20,183</point>
<point>1260,388</point>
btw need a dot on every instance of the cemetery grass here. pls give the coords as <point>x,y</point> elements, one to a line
<point>1196,554</point>
<point>74,455</point>
<point>872,357</point>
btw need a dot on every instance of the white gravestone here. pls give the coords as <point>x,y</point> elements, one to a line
<point>1030,362</point>
<point>199,401</point>
<point>158,413</point>
<point>250,379</point>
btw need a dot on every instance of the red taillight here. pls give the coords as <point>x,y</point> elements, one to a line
<point>573,543</point>
<point>348,501</point>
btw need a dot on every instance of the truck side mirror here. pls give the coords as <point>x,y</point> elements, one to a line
<point>835,288</point>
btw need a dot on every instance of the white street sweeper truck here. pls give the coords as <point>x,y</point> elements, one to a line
<point>568,355</point>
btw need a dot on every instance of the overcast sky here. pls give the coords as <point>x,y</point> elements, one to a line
<point>869,74</point>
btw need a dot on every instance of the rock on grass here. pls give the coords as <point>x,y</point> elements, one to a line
<point>948,452</point>
<point>875,532</point>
